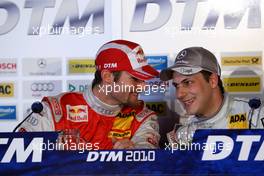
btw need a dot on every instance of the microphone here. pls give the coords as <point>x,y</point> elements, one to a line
<point>36,107</point>
<point>253,104</point>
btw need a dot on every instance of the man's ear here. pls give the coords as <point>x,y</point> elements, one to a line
<point>213,80</point>
<point>107,76</point>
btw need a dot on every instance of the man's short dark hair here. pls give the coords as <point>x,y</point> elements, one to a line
<point>98,79</point>
<point>207,74</point>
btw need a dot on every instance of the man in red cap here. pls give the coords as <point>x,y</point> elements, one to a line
<point>109,115</point>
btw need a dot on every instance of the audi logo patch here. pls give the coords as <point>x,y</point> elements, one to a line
<point>33,121</point>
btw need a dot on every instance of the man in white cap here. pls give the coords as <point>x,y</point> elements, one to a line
<point>109,115</point>
<point>196,77</point>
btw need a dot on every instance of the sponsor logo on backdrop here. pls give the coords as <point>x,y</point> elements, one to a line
<point>77,20</point>
<point>159,107</point>
<point>8,66</point>
<point>71,87</point>
<point>6,89</point>
<point>168,11</point>
<point>78,85</point>
<point>42,63</point>
<point>42,86</point>
<point>38,89</point>
<point>158,62</point>
<point>92,19</point>
<point>79,88</point>
<point>7,112</point>
<point>241,61</point>
<point>156,87</point>
<point>42,66</point>
<point>242,84</point>
<point>79,66</point>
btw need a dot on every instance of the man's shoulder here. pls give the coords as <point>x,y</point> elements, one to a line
<point>58,102</point>
<point>141,111</point>
<point>65,95</point>
<point>240,100</point>
<point>144,112</point>
<point>232,101</point>
<point>246,103</point>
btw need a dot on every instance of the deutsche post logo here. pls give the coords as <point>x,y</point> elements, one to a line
<point>241,61</point>
<point>6,89</point>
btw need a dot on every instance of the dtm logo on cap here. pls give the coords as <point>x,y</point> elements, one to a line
<point>110,65</point>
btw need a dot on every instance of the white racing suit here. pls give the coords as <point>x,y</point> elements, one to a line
<point>96,121</point>
<point>235,113</point>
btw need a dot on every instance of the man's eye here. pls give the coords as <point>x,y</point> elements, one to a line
<point>135,79</point>
<point>187,83</point>
<point>175,85</point>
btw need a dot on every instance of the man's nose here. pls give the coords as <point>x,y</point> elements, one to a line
<point>141,84</point>
<point>181,92</point>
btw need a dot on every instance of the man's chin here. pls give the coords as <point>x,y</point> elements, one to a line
<point>189,112</point>
<point>133,104</point>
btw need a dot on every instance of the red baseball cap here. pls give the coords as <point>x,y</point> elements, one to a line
<point>123,55</point>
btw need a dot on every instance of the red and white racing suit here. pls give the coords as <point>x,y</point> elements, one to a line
<point>97,122</point>
<point>235,113</point>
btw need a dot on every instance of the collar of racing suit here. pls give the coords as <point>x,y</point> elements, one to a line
<point>100,107</point>
<point>184,134</point>
<point>212,121</point>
